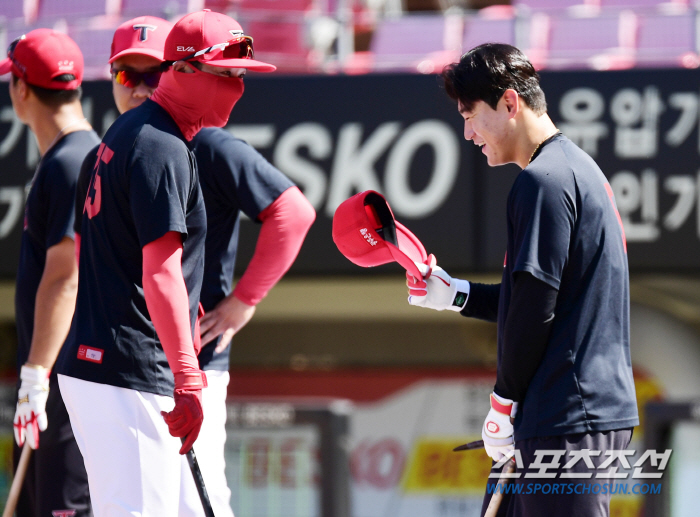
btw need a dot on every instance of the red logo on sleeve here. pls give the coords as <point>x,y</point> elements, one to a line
<point>88,353</point>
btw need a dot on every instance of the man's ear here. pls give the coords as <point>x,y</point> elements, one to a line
<point>21,89</point>
<point>511,99</point>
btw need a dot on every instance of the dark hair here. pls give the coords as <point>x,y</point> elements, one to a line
<point>55,98</point>
<point>487,71</point>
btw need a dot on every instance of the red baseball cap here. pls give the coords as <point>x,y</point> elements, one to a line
<point>144,35</point>
<point>41,55</point>
<point>365,231</point>
<point>199,31</point>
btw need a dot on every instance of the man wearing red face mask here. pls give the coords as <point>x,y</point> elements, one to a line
<point>131,379</point>
<point>234,179</point>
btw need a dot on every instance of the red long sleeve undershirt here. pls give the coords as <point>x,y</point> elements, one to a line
<point>168,304</point>
<point>285,223</point>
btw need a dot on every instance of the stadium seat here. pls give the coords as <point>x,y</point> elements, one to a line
<point>606,4</point>
<point>553,5</point>
<point>280,43</point>
<point>483,29</point>
<point>70,9</point>
<point>273,5</point>
<point>667,41</point>
<point>95,45</point>
<point>167,9</point>
<point>600,42</point>
<point>403,43</point>
<point>12,9</point>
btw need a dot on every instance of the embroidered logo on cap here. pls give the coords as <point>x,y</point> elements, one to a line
<point>368,236</point>
<point>182,48</point>
<point>144,28</point>
<point>65,65</point>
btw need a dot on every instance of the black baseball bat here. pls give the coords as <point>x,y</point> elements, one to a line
<point>479,444</point>
<point>199,482</point>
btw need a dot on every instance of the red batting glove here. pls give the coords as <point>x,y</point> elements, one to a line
<point>185,420</point>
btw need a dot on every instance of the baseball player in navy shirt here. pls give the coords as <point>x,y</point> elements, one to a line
<point>47,70</point>
<point>564,379</point>
<point>235,178</point>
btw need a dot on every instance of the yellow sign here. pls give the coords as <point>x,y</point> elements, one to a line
<point>434,468</point>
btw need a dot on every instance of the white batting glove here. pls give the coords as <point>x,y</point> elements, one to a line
<point>437,290</point>
<point>497,432</point>
<point>30,416</point>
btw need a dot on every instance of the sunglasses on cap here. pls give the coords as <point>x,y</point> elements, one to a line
<point>239,47</point>
<point>11,53</point>
<point>132,79</point>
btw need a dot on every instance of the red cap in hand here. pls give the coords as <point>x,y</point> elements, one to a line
<point>365,231</point>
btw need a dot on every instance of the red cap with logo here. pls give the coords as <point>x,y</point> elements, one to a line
<point>202,30</point>
<point>144,35</point>
<point>40,56</point>
<point>365,231</point>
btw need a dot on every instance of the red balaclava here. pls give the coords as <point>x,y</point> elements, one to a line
<point>197,100</point>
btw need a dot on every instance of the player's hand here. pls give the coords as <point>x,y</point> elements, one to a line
<point>185,420</point>
<point>227,318</point>
<point>437,290</point>
<point>497,432</point>
<point>30,416</point>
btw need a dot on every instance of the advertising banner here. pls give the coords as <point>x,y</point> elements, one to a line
<point>401,135</point>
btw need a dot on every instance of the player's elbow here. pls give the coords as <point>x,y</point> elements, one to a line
<point>304,213</point>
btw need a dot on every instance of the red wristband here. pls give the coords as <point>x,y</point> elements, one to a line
<point>501,408</point>
<point>190,380</point>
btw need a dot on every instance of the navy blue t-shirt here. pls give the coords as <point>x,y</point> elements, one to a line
<point>563,229</point>
<point>234,178</point>
<point>144,185</point>
<point>48,218</point>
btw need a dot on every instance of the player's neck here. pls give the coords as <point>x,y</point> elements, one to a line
<point>49,125</point>
<point>536,130</point>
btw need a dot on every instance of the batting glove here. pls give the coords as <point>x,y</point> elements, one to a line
<point>30,416</point>
<point>437,290</point>
<point>497,432</point>
<point>185,420</point>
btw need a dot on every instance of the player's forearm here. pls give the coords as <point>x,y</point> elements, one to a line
<point>53,313</point>
<point>483,301</point>
<point>526,335</point>
<point>168,303</point>
<point>285,223</point>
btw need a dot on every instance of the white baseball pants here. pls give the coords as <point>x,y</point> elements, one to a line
<point>132,462</point>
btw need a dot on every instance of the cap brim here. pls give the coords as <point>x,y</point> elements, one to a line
<point>138,51</point>
<point>409,251</point>
<point>5,66</point>
<point>249,64</point>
